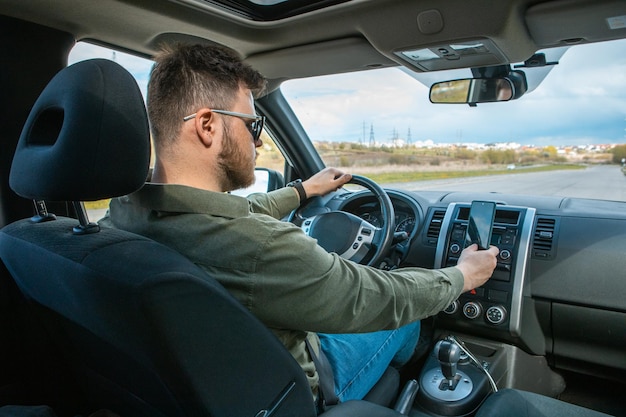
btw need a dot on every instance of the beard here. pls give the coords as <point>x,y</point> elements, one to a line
<point>236,167</point>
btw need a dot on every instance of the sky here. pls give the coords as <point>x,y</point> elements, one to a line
<point>582,101</point>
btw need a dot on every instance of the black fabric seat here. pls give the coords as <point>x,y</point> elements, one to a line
<point>147,333</point>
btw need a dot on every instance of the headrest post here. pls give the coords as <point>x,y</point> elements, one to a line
<point>42,212</point>
<point>85,226</point>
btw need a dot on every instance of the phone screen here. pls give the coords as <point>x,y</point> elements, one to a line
<point>480,223</point>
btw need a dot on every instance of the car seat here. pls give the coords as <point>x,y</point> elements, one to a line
<point>145,331</point>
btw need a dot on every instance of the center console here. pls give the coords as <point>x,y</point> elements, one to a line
<point>495,326</point>
<point>497,305</point>
<point>462,371</point>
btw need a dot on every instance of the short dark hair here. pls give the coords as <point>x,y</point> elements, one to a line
<point>186,77</point>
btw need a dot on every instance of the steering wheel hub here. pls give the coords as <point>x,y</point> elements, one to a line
<point>342,233</point>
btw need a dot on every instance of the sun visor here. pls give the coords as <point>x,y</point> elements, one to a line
<point>321,58</point>
<point>580,21</point>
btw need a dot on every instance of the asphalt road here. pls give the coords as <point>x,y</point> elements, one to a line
<point>600,182</point>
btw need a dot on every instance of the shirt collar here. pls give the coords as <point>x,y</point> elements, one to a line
<point>175,198</point>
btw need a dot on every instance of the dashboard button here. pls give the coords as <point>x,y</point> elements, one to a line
<point>477,292</point>
<point>499,296</point>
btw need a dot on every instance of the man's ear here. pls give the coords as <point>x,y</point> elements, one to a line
<point>206,126</point>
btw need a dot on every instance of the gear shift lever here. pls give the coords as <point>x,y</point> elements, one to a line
<point>449,385</point>
<point>448,355</point>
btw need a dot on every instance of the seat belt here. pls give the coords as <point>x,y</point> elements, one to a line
<point>326,390</point>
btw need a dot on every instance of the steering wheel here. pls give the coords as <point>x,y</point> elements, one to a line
<point>348,235</point>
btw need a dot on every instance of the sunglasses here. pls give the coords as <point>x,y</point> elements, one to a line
<point>255,124</point>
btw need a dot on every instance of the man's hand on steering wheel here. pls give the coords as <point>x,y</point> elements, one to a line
<point>325,181</point>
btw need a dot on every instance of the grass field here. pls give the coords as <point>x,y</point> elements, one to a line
<point>410,176</point>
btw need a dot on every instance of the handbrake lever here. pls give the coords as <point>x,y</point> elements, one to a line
<point>407,397</point>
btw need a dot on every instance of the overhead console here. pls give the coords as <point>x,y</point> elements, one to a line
<point>495,309</point>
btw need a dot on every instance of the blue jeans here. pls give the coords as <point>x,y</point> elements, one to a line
<point>359,360</point>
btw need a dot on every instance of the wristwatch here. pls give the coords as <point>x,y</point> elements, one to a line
<point>297,184</point>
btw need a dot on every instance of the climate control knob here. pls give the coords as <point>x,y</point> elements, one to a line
<point>472,310</point>
<point>452,308</point>
<point>496,314</point>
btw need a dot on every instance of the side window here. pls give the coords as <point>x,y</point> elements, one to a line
<point>137,66</point>
<point>270,155</point>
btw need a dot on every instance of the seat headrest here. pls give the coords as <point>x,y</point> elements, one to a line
<point>86,138</point>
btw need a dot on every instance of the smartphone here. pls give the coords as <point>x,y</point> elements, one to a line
<point>480,223</point>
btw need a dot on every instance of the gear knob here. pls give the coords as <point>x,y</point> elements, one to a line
<point>448,355</point>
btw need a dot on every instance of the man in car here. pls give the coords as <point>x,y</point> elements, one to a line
<point>205,132</point>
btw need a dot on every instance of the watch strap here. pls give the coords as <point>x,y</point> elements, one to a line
<point>297,184</point>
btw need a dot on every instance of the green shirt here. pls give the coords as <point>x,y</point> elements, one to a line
<point>281,275</point>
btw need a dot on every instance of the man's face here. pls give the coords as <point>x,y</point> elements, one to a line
<point>238,154</point>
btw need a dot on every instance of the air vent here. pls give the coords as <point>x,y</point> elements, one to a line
<point>432,234</point>
<point>544,238</point>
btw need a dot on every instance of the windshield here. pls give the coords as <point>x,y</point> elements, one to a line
<point>564,138</point>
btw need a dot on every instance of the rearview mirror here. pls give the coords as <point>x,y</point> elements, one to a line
<point>491,84</point>
<point>472,90</point>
